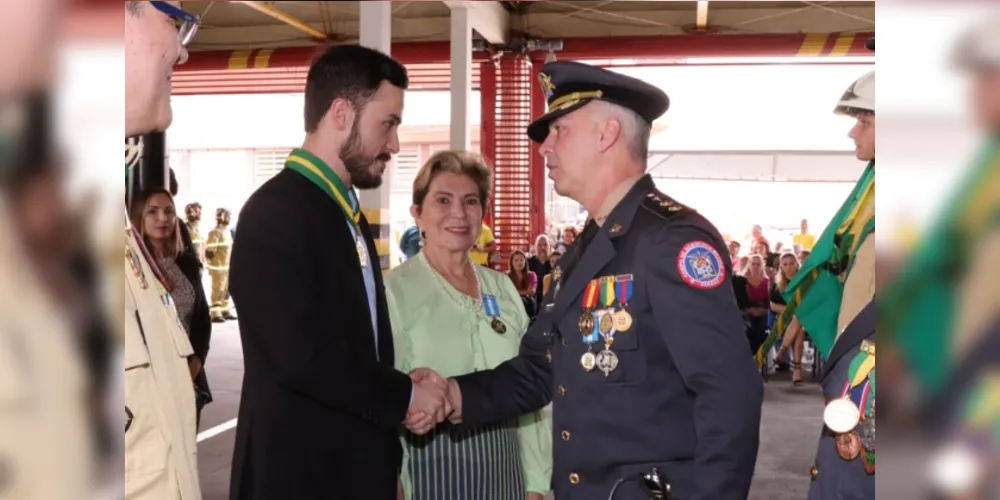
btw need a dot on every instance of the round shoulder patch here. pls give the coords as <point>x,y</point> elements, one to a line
<point>700,265</point>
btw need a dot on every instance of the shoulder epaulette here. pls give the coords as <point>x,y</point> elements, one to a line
<point>665,206</point>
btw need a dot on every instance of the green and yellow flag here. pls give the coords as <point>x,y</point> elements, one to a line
<point>917,311</point>
<point>815,294</point>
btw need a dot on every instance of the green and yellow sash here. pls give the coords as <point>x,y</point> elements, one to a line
<point>320,174</point>
<point>917,310</point>
<point>815,294</point>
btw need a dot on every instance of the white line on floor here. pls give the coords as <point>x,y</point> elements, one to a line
<point>215,431</point>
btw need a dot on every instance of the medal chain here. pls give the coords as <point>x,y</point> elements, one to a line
<point>477,302</point>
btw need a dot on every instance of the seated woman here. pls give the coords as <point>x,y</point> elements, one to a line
<point>153,213</point>
<point>455,317</point>
<point>525,280</point>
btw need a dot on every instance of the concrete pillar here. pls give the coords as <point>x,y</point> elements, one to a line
<point>461,77</point>
<point>376,32</point>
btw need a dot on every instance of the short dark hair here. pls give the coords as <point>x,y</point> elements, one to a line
<point>349,72</point>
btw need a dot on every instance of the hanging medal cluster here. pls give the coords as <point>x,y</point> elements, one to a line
<point>852,415</point>
<point>603,315</point>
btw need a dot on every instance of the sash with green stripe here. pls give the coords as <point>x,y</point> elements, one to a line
<point>917,309</point>
<point>320,174</point>
<point>815,294</point>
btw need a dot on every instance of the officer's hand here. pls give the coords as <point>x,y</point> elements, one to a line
<point>194,364</point>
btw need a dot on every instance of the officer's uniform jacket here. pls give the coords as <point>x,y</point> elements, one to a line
<point>160,433</point>
<point>46,448</point>
<point>685,396</point>
<point>832,476</point>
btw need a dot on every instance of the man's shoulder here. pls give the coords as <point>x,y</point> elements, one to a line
<point>658,210</point>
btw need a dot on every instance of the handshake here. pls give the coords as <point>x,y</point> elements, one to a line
<point>435,399</point>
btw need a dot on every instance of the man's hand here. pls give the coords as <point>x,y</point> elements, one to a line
<point>194,364</point>
<point>430,404</point>
<point>400,495</point>
<point>534,495</point>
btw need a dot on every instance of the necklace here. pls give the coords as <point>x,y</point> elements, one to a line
<point>475,304</point>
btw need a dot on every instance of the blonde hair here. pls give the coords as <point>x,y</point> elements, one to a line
<point>781,281</point>
<point>175,246</point>
<point>464,163</point>
<point>755,258</point>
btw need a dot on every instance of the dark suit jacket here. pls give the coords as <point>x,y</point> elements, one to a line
<point>319,413</point>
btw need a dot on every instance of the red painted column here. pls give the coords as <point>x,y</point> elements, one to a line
<point>487,125</point>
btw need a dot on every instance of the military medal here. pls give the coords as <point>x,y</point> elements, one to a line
<point>588,326</point>
<point>362,252</point>
<point>841,415</point>
<point>492,309</point>
<point>607,360</point>
<point>867,434</point>
<point>606,322</point>
<point>849,446</point>
<point>586,321</point>
<point>622,319</point>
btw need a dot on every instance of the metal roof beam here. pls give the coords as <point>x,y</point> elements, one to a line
<point>489,19</point>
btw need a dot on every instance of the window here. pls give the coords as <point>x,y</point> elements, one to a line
<point>267,163</point>
<point>406,168</point>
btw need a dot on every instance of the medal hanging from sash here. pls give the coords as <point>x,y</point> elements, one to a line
<point>622,319</point>
<point>492,309</point>
<point>320,174</point>
<point>856,405</point>
<point>589,327</point>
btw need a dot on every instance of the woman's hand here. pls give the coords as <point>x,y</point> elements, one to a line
<point>399,490</point>
<point>194,364</point>
<point>534,495</point>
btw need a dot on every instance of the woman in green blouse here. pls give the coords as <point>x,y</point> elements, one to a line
<point>454,317</point>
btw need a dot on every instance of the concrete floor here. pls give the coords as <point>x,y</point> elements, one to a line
<point>791,423</point>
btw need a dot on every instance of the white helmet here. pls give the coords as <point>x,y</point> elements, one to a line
<point>979,47</point>
<point>859,98</point>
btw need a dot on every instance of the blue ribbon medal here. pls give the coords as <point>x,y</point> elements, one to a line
<point>492,309</point>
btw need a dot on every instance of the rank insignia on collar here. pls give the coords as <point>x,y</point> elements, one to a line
<point>128,418</point>
<point>616,228</point>
<point>700,265</point>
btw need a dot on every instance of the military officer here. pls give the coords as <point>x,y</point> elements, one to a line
<point>193,213</point>
<point>640,345</point>
<point>160,434</point>
<point>217,251</point>
<point>845,456</point>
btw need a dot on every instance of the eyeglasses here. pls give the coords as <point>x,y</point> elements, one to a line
<point>187,23</point>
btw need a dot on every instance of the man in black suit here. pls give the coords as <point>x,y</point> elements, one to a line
<point>321,402</point>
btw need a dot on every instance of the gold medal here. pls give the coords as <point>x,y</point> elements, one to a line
<point>607,360</point>
<point>586,323</point>
<point>606,324</point>
<point>849,446</point>
<point>623,320</point>
<point>498,326</point>
<point>588,361</point>
<point>362,252</point>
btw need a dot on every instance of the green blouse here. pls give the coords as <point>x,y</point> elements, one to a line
<point>436,326</point>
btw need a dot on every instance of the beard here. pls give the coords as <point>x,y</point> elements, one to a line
<point>359,163</point>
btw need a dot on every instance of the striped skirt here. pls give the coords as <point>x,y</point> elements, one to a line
<point>478,464</point>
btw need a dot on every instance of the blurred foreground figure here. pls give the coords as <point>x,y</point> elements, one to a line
<point>53,348</point>
<point>160,434</point>
<point>943,312</point>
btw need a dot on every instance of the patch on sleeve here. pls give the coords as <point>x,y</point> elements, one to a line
<point>701,266</point>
